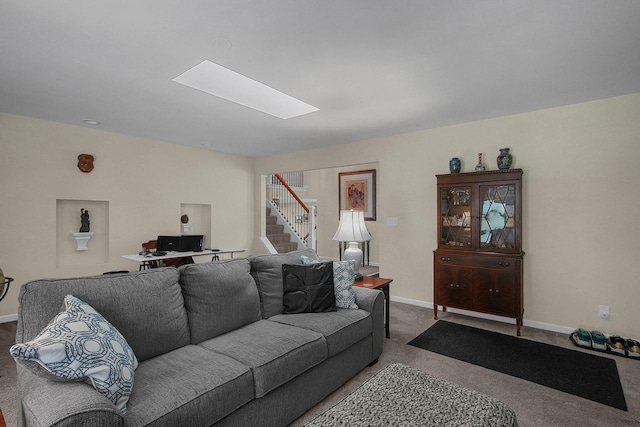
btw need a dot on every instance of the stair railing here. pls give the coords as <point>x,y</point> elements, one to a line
<point>291,207</point>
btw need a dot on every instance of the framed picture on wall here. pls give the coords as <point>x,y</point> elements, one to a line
<point>357,191</point>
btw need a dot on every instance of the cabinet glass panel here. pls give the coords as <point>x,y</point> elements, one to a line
<point>455,206</point>
<point>497,220</point>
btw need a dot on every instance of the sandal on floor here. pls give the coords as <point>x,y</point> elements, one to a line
<point>616,344</point>
<point>633,348</point>
<point>581,338</point>
<point>598,341</point>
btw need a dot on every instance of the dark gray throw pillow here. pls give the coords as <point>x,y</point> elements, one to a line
<point>308,288</point>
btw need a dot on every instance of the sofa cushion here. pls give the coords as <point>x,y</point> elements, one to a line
<point>80,345</point>
<point>267,272</point>
<point>275,352</point>
<point>308,288</point>
<point>343,278</point>
<point>219,297</point>
<point>341,328</point>
<point>130,302</point>
<point>188,386</point>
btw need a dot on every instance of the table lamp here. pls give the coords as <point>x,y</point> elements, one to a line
<point>352,229</point>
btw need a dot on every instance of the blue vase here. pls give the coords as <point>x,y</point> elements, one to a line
<point>454,165</point>
<point>504,159</point>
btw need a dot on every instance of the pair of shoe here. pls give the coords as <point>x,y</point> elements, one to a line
<point>581,337</point>
<point>598,341</point>
<point>617,344</point>
<point>593,339</point>
<point>624,346</point>
<point>633,348</point>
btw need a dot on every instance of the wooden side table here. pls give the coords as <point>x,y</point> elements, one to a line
<point>383,285</point>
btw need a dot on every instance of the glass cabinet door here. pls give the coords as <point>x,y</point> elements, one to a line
<point>455,212</point>
<point>497,216</point>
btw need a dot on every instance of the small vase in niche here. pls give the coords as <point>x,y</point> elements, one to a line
<point>454,165</point>
<point>504,159</point>
<point>480,166</point>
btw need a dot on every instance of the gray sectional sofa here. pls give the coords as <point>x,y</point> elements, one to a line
<point>212,344</point>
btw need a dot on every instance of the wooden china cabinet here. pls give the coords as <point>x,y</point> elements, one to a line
<point>478,263</point>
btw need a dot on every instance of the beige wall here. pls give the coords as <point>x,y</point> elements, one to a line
<point>580,203</point>
<point>38,167</point>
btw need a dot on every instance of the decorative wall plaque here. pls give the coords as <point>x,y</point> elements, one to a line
<point>85,162</point>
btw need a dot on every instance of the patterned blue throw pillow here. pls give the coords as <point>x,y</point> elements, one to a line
<point>81,345</point>
<point>343,277</point>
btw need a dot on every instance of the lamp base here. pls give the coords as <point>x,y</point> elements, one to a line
<point>355,253</point>
<point>359,277</point>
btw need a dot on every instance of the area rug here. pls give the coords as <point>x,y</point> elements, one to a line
<point>403,396</point>
<point>581,374</point>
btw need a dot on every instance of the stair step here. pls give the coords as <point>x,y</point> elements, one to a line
<point>274,229</point>
<point>283,248</point>
<point>272,220</point>
<point>279,238</point>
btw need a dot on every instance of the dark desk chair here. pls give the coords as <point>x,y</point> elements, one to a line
<point>149,246</point>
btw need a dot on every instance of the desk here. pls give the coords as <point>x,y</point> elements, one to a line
<point>382,284</point>
<point>214,254</point>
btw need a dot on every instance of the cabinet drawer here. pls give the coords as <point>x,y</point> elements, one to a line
<point>501,263</point>
<point>452,259</point>
<point>496,262</point>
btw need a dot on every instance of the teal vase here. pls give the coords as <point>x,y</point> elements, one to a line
<point>504,159</point>
<point>454,165</point>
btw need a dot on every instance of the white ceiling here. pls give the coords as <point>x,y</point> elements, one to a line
<point>373,67</point>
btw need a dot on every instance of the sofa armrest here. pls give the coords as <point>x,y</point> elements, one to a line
<point>372,300</point>
<point>43,402</point>
<point>366,298</point>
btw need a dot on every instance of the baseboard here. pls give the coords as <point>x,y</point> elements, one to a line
<point>9,318</point>
<point>529,323</point>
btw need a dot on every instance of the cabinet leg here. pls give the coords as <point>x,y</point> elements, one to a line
<point>435,311</point>
<point>518,324</point>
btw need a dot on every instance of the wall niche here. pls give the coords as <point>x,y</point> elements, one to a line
<point>199,220</point>
<point>68,221</point>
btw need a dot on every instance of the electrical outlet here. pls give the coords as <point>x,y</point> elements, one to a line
<point>603,311</point>
<point>392,221</point>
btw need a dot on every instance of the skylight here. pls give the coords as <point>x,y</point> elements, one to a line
<point>217,80</point>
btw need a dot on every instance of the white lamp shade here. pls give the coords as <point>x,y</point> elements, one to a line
<point>352,227</point>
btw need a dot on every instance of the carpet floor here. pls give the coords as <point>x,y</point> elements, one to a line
<point>535,405</point>
<point>582,374</point>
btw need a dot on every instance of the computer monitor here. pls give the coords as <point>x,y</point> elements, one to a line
<point>191,243</point>
<point>168,243</point>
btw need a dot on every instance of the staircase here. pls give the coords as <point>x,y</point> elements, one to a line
<point>280,240</point>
